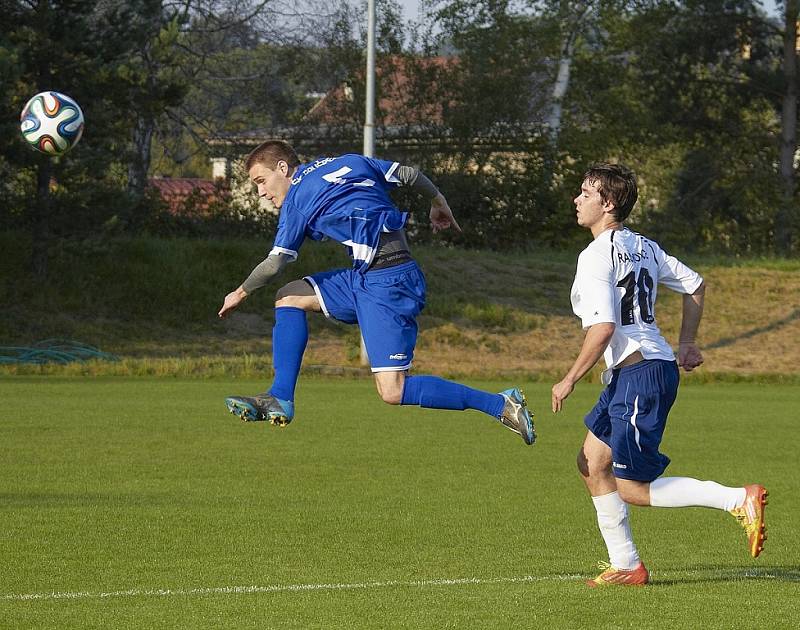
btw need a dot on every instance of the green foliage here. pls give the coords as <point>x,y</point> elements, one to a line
<point>664,87</point>
<point>87,50</point>
<point>496,76</point>
<point>670,92</point>
<point>687,93</point>
<point>500,202</point>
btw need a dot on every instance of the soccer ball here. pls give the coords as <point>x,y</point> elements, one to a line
<point>52,123</point>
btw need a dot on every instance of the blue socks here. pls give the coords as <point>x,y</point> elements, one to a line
<point>436,393</point>
<point>289,339</point>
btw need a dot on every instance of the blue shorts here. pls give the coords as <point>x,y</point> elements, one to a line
<point>384,303</point>
<point>631,414</point>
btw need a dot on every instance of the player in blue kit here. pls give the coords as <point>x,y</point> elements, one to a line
<point>614,294</point>
<point>346,198</point>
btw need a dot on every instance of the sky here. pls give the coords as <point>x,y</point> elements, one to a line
<point>410,8</point>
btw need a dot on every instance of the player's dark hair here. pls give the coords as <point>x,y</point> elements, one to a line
<point>617,184</point>
<point>271,152</point>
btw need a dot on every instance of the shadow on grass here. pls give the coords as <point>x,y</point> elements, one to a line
<point>728,574</point>
<point>753,332</point>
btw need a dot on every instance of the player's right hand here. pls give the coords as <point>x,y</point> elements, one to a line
<point>441,215</point>
<point>559,393</point>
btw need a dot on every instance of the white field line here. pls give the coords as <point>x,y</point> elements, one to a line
<point>793,576</point>
<point>282,588</point>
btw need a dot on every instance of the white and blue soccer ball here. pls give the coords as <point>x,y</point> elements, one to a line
<point>52,123</point>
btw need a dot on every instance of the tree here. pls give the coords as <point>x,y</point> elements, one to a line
<point>785,221</point>
<point>682,91</point>
<point>74,47</point>
<point>247,65</point>
<point>151,78</point>
<point>571,21</point>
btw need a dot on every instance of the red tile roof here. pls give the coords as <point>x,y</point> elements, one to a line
<point>184,195</point>
<point>400,99</point>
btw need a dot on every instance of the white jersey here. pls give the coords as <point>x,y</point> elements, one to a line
<point>617,282</point>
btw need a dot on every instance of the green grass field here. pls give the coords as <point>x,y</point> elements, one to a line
<point>139,503</point>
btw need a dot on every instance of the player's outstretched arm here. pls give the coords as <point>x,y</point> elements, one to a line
<point>265,271</point>
<point>689,355</point>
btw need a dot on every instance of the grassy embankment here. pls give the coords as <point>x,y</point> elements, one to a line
<point>153,302</point>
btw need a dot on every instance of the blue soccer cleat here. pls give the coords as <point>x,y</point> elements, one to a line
<point>262,407</point>
<point>516,415</point>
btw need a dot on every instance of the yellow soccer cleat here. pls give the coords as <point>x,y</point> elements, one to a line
<point>751,517</point>
<point>612,576</point>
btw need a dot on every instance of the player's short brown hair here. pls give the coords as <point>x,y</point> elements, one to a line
<point>271,152</point>
<point>617,184</point>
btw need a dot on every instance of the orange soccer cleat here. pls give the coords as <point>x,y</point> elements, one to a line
<point>612,576</point>
<point>751,517</point>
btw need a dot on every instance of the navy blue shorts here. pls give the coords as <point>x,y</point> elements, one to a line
<point>631,414</point>
<point>384,303</point>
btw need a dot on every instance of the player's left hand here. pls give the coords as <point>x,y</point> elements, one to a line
<point>441,215</point>
<point>232,300</point>
<point>689,356</point>
<point>560,392</point>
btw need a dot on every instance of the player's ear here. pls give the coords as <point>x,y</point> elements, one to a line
<point>283,167</point>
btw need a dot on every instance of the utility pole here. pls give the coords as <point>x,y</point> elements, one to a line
<point>369,118</point>
<point>369,124</point>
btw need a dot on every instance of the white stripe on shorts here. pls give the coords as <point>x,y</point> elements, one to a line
<point>310,280</point>
<point>633,422</point>
<point>399,368</point>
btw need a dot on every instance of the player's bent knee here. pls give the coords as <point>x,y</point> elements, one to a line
<point>393,397</point>
<point>390,393</point>
<point>390,386</point>
<point>625,495</point>
<point>634,492</point>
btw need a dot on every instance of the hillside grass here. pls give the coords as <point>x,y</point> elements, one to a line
<point>154,301</point>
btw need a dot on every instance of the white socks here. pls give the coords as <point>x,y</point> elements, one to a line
<point>612,512</point>
<point>688,492</point>
<point>612,517</point>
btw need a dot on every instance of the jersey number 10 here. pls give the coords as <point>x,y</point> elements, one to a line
<point>643,295</point>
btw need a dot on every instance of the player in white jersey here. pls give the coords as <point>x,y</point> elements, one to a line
<point>614,294</point>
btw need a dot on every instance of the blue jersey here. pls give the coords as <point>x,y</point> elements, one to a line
<point>343,198</point>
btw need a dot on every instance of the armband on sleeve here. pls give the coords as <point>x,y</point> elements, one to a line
<point>265,271</point>
<point>409,176</point>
